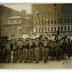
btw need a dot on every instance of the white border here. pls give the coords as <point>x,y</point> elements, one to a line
<point>40,70</point>
<point>35,1</point>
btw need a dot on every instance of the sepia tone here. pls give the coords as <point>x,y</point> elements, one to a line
<point>35,36</point>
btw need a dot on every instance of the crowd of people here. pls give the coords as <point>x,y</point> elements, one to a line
<point>34,50</point>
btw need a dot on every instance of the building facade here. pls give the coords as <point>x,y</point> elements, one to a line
<point>5,13</point>
<point>10,27</point>
<point>15,24</point>
<point>52,18</point>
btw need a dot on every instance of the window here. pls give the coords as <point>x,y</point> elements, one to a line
<point>58,28</point>
<point>65,20</point>
<point>11,21</point>
<point>51,28</point>
<point>48,21</point>
<point>71,20</point>
<point>51,21</point>
<point>61,28</point>
<point>68,21</point>
<point>61,21</point>
<point>35,29</point>
<point>65,28</point>
<point>55,28</point>
<point>19,21</point>
<point>54,5</point>
<point>15,21</point>
<point>42,22</point>
<point>39,29</point>
<point>54,21</point>
<point>54,14</point>
<point>68,28</point>
<point>48,14</point>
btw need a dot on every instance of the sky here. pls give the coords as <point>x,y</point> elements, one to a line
<point>20,7</point>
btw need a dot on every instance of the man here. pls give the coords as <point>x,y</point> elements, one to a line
<point>26,52</point>
<point>45,51</point>
<point>4,51</point>
<point>8,52</point>
<point>31,51</point>
<point>20,50</point>
<point>64,47</point>
<point>69,48</point>
<point>14,51</point>
<point>37,52</point>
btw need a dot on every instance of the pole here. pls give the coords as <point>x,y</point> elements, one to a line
<point>38,17</point>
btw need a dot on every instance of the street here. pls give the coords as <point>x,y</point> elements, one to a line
<point>41,65</point>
